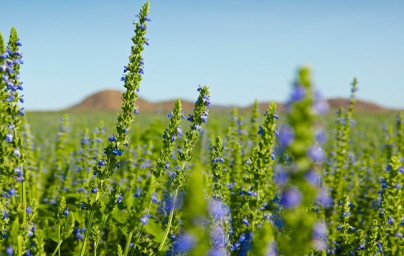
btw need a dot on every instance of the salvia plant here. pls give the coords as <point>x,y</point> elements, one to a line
<point>294,180</point>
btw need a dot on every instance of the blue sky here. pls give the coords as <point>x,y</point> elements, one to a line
<point>242,49</point>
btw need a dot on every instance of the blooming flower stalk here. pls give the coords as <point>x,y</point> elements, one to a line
<point>120,140</point>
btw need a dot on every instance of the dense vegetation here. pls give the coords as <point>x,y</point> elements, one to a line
<point>296,182</point>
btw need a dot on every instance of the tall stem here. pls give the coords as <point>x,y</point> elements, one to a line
<point>90,220</point>
<point>128,243</point>
<point>169,221</point>
<point>102,228</point>
<point>137,240</point>
<point>24,203</point>
<point>19,244</point>
<point>57,248</point>
<point>59,241</point>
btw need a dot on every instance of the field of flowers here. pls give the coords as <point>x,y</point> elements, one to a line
<point>301,181</point>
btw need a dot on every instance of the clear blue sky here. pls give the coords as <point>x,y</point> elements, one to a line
<point>242,49</point>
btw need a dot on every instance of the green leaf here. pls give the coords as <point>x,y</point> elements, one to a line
<point>154,229</point>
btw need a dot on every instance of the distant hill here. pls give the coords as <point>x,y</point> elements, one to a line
<point>110,100</point>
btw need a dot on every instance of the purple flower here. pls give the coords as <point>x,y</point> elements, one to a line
<point>216,252</point>
<point>11,191</point>
<point>184,244</point>
<point>10,97</point>
<point>312,177</point>
<point>217,236</point>
<point>217,209</point>
<point>119,199</point>
<point>276,115</point>
<point>173,138</point>
<point>291,198</point>
<point>206,99</point>
<point>286,136</point>
<point>3,67</point>
<point>281,176</point>
<point>66,212</point>
<point>248,161</point>
<point>17,152</point>
<point>21,112</point>
<point>319,230</point>
<point>9,137</point>
<point>102,162</point>
<point>29,209</point>
<point>316,154</point>
<point>324,198</point>
<point>320,105</point>
<point>321,137</point>
<point>204,117</point>
<point>138,193</point>
<point>117,152</point>
<point>298,93</point>
<point>10,250</point>
<point>179,131</point>
<point>112,138</point>
<point>144,219</point>
<point>4,55</point>
<point>245,221</point>
<point>262,131</point>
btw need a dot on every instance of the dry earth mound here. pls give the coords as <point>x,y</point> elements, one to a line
<point>110,100</point>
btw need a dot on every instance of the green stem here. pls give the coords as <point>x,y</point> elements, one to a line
<point>59,239</point>
<point>150,204</point>
<point>57,248</point>
<point>24,203</point>
<point>137,240</point>
<point>95,249</point>
<point>169,221</point>
<point>90,220</point>
<point>102,228</point>
<point>128,243</point>
<point>19,250</point>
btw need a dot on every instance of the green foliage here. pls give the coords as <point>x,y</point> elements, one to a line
<point>75,187</point>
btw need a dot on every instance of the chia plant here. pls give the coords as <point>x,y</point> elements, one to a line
<point>119,140</point>
<point>299,193</point>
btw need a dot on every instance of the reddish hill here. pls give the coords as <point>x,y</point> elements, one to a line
<point>360,106</point>
<point>335,103</point>
<point>110,100</point>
